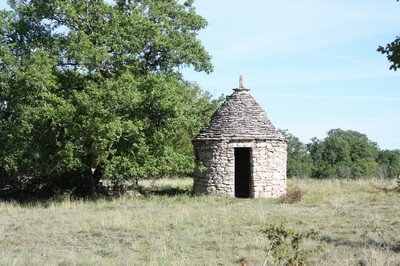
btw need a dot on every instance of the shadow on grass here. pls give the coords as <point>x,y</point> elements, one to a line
<point>394,247</point>
<point>164,190</point>
<point>169,191</point>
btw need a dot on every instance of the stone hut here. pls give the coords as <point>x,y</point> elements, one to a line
<point>240,153</point>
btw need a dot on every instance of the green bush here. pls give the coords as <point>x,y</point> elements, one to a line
<point>286,245</point>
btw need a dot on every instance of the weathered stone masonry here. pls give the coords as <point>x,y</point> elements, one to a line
<point>240,122</point>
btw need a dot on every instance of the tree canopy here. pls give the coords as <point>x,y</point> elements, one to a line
<point>91,86</point>
<point>392,51</point>
<point>343,154</point>
<point>299,163</point>
<point>389,163</point>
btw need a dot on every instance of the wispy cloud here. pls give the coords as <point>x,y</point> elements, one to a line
<point>269,28</point>
<point>330,97</point>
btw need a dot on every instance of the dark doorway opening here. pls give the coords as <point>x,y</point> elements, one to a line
<point>242,173</point>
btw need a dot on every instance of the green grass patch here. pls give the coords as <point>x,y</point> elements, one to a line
<point>357,222</point>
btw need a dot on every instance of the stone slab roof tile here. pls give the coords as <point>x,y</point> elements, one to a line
<point>240,116</point>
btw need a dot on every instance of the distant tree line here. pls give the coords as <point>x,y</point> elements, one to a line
<point>341,154</point>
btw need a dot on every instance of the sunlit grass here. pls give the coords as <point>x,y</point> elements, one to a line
<point>358,226</point>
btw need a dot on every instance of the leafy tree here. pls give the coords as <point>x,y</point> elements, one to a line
<point>88,86</point>
<point>389,163</point>
<point>299,162</point>
<point>343,154</point>
<point>392,51</point>
<point>331,158</point>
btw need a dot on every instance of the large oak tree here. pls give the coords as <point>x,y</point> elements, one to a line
<point>88,85</point>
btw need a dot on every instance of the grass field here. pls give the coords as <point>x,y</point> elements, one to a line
<point>358,222</point>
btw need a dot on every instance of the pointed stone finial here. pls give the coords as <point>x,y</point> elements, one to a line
<point>241,85</point>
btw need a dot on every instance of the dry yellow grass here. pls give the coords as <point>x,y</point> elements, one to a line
<point>358,224</point>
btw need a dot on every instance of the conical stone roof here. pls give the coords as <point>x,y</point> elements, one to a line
<point>240,117</point>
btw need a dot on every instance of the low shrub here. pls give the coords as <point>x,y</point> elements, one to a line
<point>286,245</point>
<point>293,195</point>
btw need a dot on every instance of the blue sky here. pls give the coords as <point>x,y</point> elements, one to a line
<point>311,64</point>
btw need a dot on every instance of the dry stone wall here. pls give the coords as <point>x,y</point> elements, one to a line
<point>216,172</point>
